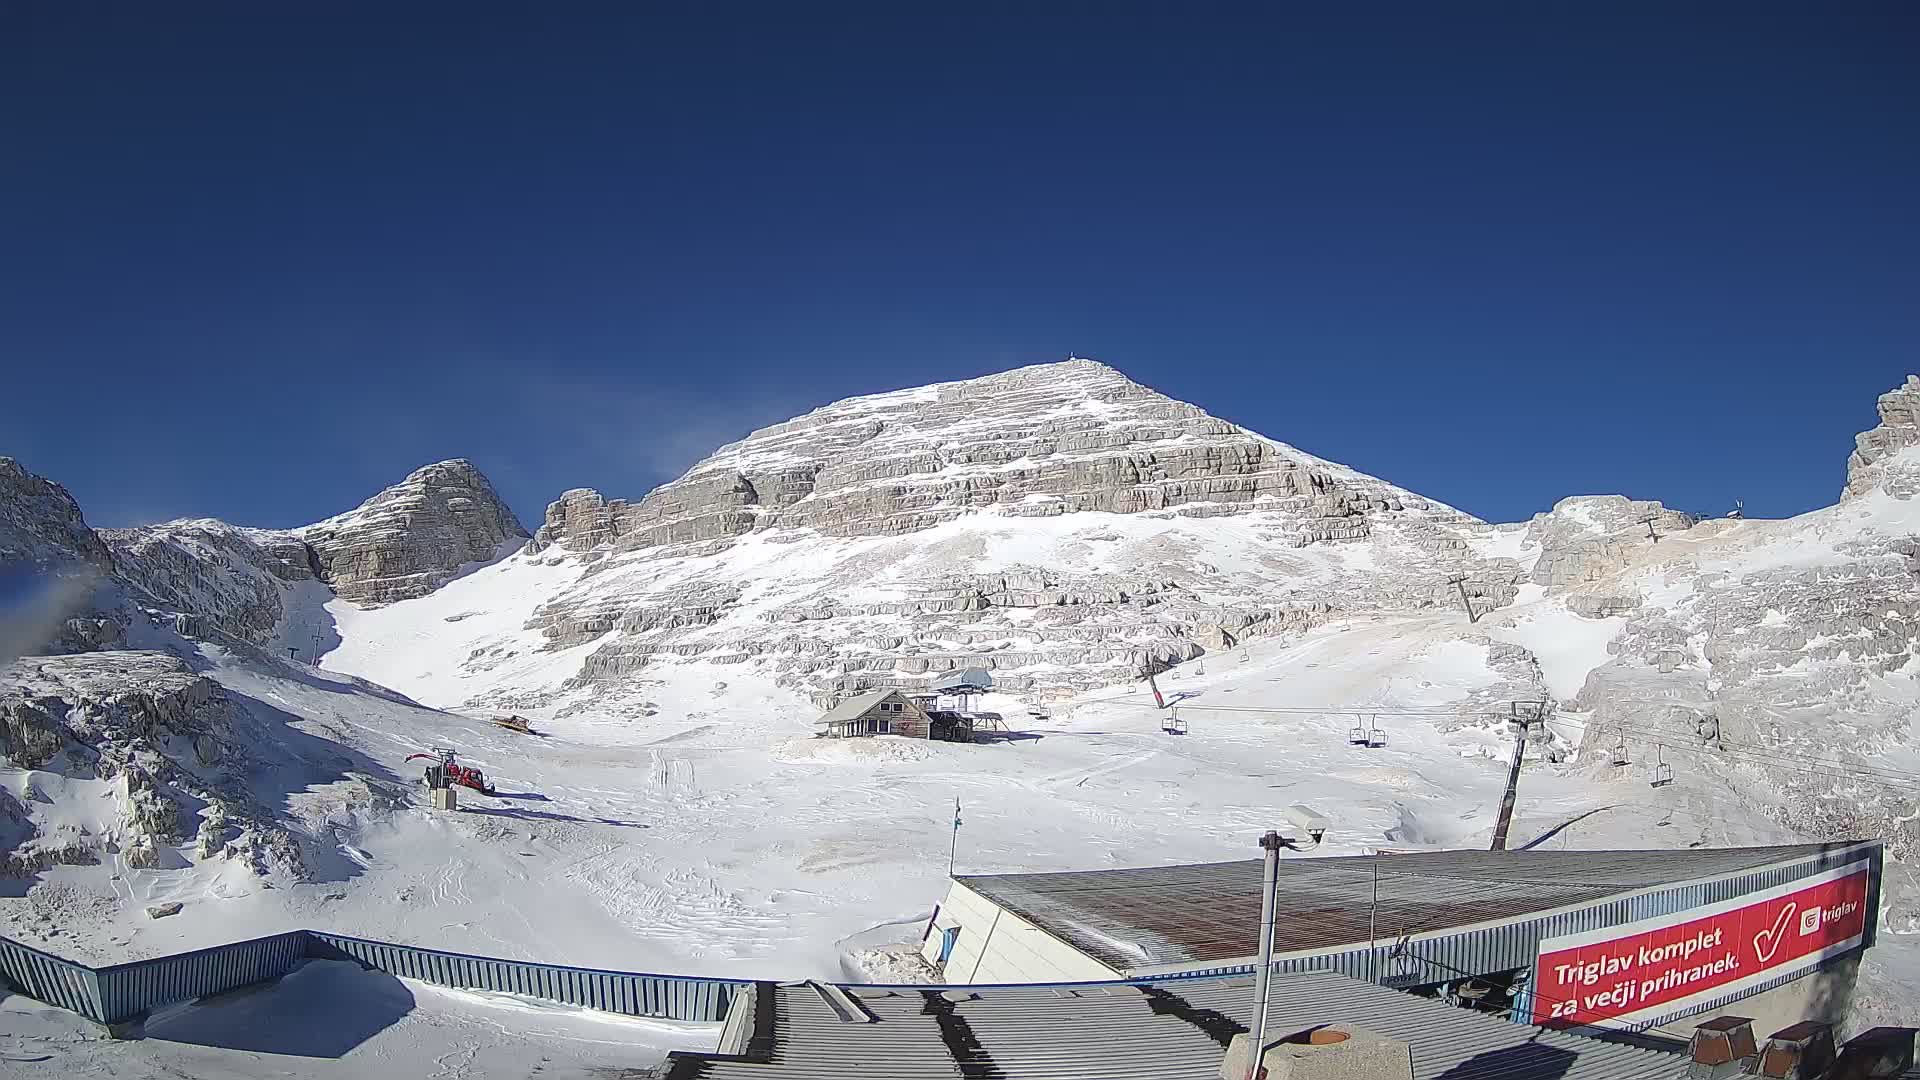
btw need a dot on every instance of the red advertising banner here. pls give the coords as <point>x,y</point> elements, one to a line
<point>1642,970</point>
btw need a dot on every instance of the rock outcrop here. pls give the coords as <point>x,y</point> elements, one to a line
<point>1875,450</point>
<point>109,715</point>
<point>68,603</point>
<point>41,525</point>
<point>1038,441</point>
<point>219,576</point>
<point>173,743</point>
<point>411,538</point>
<point>1587,537</point>
<point>404,542</point>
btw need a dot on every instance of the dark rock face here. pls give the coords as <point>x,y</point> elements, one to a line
<point>220,576</point>
<point>413,537</point>
<point>41,525</point>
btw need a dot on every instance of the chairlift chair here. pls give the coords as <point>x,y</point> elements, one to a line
<point>1662,772</point>
<point>1620,756</point>
<point>1357,736</point>
<point>1176,724</point>
<point>1376,738</point>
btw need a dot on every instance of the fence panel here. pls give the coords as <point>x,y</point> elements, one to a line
<point>46,977</point>
<point>128,990</point>
<point>669,997</point>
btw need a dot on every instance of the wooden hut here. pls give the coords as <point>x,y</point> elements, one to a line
<point>876,712</point>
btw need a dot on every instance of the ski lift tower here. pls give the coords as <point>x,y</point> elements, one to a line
<point>965,684</point>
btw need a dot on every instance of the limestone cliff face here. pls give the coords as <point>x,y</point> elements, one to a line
<point>1875,452</point>
<point>1038,441</point>
<point>1587,537</point>
<point>1059,525</point>
<point>41,525</point>
<point>411,538</point>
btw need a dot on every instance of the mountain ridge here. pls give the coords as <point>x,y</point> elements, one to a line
<point>1770,665</point>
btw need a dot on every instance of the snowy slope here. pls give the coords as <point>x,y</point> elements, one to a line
<point>675,814</point>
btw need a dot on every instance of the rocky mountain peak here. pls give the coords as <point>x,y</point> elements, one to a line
<point>412,537</point>
<point>1038,441</point>
<point>1874,451</point>
<point>41,525</point>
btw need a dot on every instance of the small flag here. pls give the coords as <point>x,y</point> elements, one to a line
<point>956,813</point>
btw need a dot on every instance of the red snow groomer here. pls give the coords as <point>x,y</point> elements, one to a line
<point>446,771</point>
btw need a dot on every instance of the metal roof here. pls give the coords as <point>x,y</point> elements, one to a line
<point>1140,919</point>
<point>972,678</point>
<point>1175,1029</point>
<point>855,706</point>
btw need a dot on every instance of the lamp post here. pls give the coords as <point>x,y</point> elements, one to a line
<point>1270,881</point>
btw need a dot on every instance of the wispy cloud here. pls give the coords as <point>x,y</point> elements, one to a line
<point>643,438</point>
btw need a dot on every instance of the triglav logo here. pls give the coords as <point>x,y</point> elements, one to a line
<point>1767,942</point>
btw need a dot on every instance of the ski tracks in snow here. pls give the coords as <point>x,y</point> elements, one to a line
<point>1079,777</point>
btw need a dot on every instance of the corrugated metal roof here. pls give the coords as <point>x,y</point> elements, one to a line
<point>1172,1030</point>
<point>972,678</point>
<point>1144,918</point>
<point>855,706</point>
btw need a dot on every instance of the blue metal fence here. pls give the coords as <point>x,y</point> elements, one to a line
<point>46,977</point>
<point>126,991</point>
<point>671,997</point>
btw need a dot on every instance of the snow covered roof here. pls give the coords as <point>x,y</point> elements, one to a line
<point>1172,1030</point>
<point>1155,919</point>
<point>854,707</point>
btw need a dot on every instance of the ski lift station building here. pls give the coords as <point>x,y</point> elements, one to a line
<point>1611,939</point>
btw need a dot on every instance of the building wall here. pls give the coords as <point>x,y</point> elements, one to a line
<point>910,721</point>
<point>997,946</point>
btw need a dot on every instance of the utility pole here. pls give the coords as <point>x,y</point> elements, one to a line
<point>1521,724</point>
<point>1270,882</point>
<point>316,649</point>
<point>1459,581</point>
<point>954,847</point>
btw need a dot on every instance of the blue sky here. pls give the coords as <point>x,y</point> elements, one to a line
<point>257,263</point>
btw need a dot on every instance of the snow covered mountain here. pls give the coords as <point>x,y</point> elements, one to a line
<point>1060,525</point>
